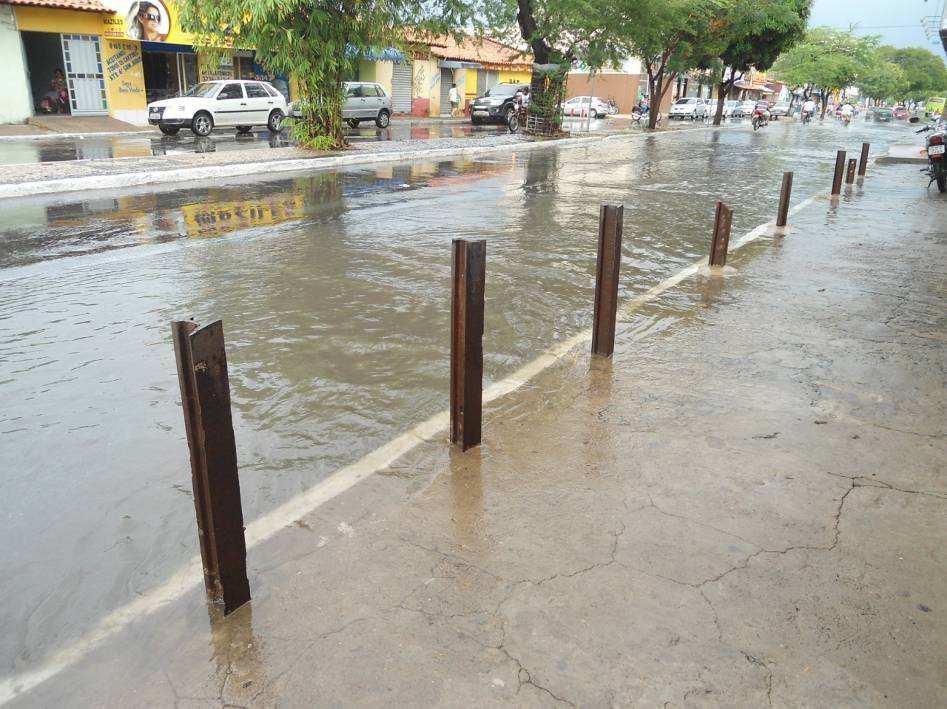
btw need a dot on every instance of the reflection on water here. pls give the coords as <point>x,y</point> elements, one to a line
<point>334,293</point>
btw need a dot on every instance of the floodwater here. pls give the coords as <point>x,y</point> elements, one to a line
<point>334,292</point>
<point>13,152</point>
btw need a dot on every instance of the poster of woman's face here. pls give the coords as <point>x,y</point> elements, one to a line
<point>148,21</point>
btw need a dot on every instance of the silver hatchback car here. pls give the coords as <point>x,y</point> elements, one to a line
<point>366,101</point>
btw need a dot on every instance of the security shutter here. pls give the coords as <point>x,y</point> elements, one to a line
<point>447,78</point>
<point>401,80</point>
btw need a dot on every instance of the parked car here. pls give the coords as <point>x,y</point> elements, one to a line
<point>497,104</point>
<point>692,107</point>
<point>778,109</point>
<point>366,101</point>
<point>584,105</point>
<point>743,109</point>
<point>883,115</point>
<point>728,108</point>
<point>215,104</point>
<point>901,113</point>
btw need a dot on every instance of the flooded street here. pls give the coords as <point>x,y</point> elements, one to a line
<point>334,293</point>
<point>54,149</point>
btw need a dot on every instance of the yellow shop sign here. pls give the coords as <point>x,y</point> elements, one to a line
<point>146,21</point>
<point>216,218</point>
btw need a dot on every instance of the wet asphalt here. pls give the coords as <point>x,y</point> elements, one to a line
<point>334,293</point>
<point>126,146</point>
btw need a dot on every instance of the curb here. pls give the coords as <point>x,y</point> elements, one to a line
<point>187,174</point>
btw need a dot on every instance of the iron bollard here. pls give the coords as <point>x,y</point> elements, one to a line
<point>466,347</point>
<point>723,219</point>
<point>850,175</point>
<point>863,163</point>
<point>607,270</point>
<point>785,192</point>
<point>205,397</point>
<point>839,169</point>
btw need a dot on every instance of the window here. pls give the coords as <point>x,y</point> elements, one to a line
<point>379,91</point>
<point>354,91</point>
<point>270,90</point>
<point>230,91</point>
<point>254,90</point>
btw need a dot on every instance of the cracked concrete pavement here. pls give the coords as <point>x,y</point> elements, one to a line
<point>745,507</point>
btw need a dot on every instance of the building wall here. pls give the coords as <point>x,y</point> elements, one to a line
<point>124,80</point>
<point>426,87</point>
<point>511,76</point>
<point>621,88</point>
<point>17,104</point>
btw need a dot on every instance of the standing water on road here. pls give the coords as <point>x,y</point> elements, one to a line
<point>334,293</point>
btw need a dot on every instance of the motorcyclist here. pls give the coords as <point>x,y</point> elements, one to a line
<point>847,112</point>
<point>762,109</point>
<point>808,110</point>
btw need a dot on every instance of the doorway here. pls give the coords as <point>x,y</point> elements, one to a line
<point>168,74</point>
<point>44,62</point>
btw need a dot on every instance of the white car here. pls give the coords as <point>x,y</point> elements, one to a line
<point>743,109</point>
<point>215,104</point>
<point>579,106</point>
<point>693,108</point>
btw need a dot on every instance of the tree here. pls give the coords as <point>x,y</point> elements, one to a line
<point>670,36</point>
<point>755,33</point>
<point>882,80</point>
<point>318,42</point>
<point>827,59</point>
<point>924,72</point>
<point>558,34</point>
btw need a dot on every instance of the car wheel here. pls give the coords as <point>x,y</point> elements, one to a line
<point>169,130</point>
<point>275,121</point>
<point>383,119</point>
<point>476,121</point>
<point>202,124</point>
<point>243,130</point>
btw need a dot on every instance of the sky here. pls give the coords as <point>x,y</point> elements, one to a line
<point>897,21</point>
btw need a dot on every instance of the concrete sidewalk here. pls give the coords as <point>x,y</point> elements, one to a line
<point>745,507</point>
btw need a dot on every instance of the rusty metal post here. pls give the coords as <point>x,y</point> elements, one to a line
<point>785,192</point>
<point>839,169</point>
<point>607,270</point>
<point>863,162</point>
<point>850,175</point>
<point>721,239</point>
<point>466,346</point>
<point>205,397</point>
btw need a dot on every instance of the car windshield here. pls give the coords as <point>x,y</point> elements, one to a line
<point>685,100</point>
<point>201,90</point>
<point>502,90</point>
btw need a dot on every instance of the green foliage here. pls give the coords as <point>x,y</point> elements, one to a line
<point>827,59</point>
<point>670,36</point>
<point>317,42</point>
<point>882,80</point>
<point>924,73</point>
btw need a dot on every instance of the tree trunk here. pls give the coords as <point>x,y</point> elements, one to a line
<point>723,88</point>
<point>657,94</point>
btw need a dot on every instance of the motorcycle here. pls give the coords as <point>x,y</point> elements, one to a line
<point>760,119</point>
<point>806,117</point>
<point>937,161</point>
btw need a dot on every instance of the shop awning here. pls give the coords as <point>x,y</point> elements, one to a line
<point>83,5</point>
<point>750,86</point>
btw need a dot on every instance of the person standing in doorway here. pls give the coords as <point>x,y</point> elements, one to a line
<point>454,97</point>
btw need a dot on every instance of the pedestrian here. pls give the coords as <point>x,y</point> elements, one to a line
<point>454,97</point>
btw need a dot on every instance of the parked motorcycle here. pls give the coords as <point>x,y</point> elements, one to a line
<point>936,160</point>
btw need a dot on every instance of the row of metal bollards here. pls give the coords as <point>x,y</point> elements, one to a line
<point>205,386</point>
<point>850,172</point>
